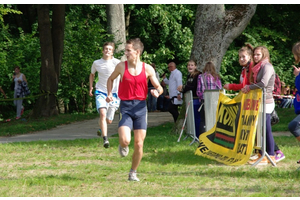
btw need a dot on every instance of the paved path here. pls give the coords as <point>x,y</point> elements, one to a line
<point>286,133</point>
<point>88,129</point>
<point>83,130</point>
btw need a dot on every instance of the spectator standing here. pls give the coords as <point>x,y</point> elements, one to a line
<point>208,80</point>
<point>163,101</point>
<point>191,84</point>
<point>246,61</point>
<point>294,125</point>
<point>263,76</point>
<point>174,81</point>
<point>18,78</point>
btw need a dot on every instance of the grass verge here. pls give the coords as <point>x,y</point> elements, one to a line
<point>83,168</point>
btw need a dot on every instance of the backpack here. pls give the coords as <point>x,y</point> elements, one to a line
<point>277,85</point>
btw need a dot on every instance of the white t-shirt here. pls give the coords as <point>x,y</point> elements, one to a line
<point>105,69</point>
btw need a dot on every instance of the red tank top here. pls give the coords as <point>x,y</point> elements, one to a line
<point>133,87</point>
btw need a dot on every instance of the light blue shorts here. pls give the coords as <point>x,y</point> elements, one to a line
<point>110,107</point>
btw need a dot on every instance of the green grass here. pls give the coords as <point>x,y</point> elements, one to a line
<point>83,168</point>
<point>285,116</point>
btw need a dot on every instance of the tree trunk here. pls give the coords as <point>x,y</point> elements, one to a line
<point>51,55</point>
<point>215,29</point>
<point>58,26</point>
<point>28,18</point>
<point>116,25</point>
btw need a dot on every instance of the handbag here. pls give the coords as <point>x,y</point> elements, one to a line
<point>274,118</point>
<point>25,88</point>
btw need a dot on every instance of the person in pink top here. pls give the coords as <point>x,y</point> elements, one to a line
<point>133,92</point>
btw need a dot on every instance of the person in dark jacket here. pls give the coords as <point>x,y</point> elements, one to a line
<point>191,84</point>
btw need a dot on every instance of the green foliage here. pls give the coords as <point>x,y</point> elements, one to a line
<point>165,30</point>
<point>230,67</point>
<point>84,37</point>
<point>23,51</point>
<point>6,11</point>
<point>278,32</point>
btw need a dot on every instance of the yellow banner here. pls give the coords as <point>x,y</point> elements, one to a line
<point>231,140</point>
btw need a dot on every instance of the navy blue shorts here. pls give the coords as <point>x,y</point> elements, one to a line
<point>133,113</point>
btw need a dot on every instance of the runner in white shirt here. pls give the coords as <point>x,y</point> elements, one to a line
<point>104,67</point>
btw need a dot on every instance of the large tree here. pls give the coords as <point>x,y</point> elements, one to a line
<point>116,25</point>
<point>216,28</point>
<point>51,42</point>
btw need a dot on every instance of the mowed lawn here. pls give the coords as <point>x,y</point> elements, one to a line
<point>83,168</point>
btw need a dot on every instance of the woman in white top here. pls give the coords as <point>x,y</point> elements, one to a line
<point>18,78</point>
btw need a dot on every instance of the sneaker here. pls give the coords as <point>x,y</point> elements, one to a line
<point>279,156</point>
<point>264,161</point>
<point>132,176</point>
<point>253,157</point>
<point>298,161</point>
<point>123,151</point>
<point>99,132</point>
<point>106,143</point>
<point>18,118</point>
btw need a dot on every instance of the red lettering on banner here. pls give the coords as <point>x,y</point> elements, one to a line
<point>251,104</point>
<point>247,104</point>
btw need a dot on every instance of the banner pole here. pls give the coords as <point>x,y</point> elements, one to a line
<point>263,148</point>
<point>186,112</point>
<point>189,120</point>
